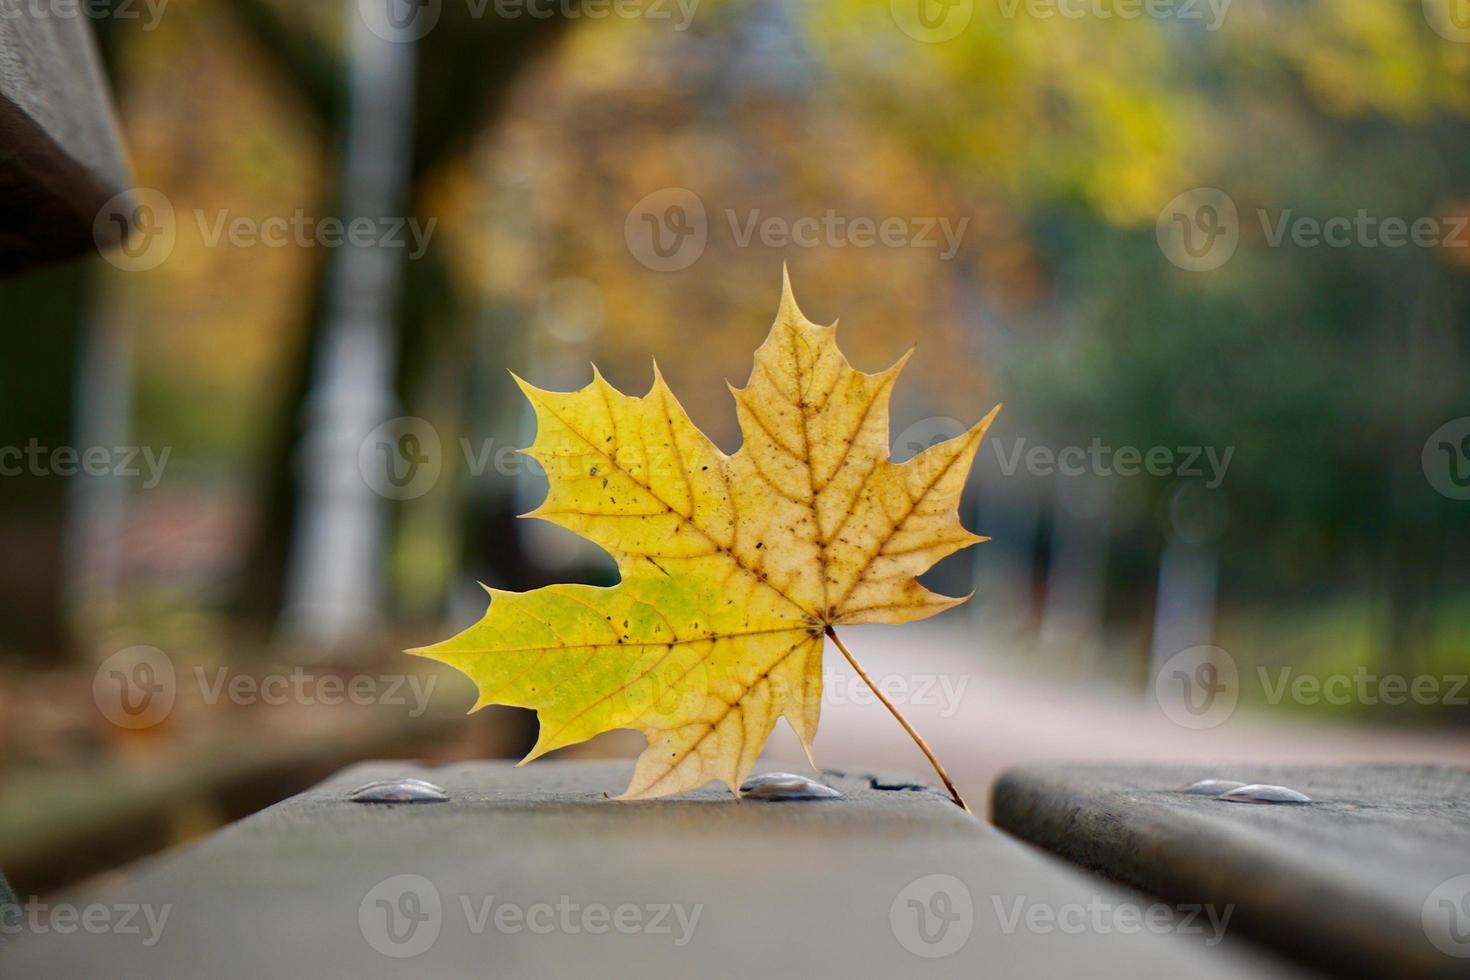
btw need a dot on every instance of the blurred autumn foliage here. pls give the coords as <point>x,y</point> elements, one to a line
<point>1059,139</point>
<point>1048,146</point>
<point>1027,160</point>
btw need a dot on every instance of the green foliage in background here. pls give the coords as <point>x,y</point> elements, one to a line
<point>1326,367</point>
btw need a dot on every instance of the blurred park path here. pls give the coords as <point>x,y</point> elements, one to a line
<point>982,716</point>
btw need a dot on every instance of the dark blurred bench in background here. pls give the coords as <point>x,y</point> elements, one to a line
<point>61,160</point>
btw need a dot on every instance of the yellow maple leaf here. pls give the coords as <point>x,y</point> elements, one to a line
<point>734,568</point>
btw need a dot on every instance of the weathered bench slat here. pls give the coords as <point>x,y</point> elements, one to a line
<point>60,154</point>
<point>1356,882</point>
<point>310,888</point>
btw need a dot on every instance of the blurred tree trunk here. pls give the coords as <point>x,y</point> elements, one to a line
<point>1184,605</point>
<point>1413,541</point>
<point>97,508</point>
<point>1072,615</point>
<point>1410,585</point>
<point>44,312</point>
<point>465,67</point>
<point>48,312</point>
<point>1003,574</point>
<point>334,576</point>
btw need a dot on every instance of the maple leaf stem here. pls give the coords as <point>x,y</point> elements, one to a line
<point>918,739</point>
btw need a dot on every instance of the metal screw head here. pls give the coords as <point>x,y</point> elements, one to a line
<point>1263,793</point>
<point>1211,787</point>
<point>787,786</point>
<point>403,790</point>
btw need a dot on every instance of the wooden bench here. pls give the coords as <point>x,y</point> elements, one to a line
<point>62,160</point>
<point>1370,879</point>
<point>536,872</point>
